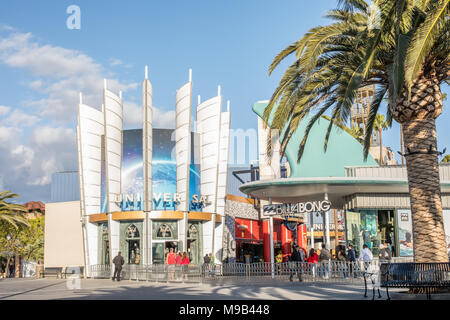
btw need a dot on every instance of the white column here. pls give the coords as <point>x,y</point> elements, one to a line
<point>147,141</point>
<point>213,235</point>
<point>186,229</point>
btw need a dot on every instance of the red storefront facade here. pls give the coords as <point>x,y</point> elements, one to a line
<point>253,239</point>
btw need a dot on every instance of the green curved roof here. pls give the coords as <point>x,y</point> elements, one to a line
<point>343,150</point>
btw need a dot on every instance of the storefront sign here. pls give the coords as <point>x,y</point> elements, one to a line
<point>319,227</point>
<point>298,209</point>
<point>134,201</point>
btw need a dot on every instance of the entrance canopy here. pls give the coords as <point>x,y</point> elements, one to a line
<point>291,190</point>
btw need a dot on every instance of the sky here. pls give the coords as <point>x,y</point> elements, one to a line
<point>44,65</point>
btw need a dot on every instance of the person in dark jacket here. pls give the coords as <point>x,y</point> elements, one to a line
<point>206,264</point>
<point>118,262</point>
<point>297,258</point>
<point>385,254</point>
<point>351,258</point>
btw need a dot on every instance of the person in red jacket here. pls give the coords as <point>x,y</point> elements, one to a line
<point>313,260</point>
<point>178,259</point>
<point>185,262</point>
<point>170,260</point>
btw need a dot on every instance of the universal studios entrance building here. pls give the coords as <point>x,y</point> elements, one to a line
<point>147,190</point>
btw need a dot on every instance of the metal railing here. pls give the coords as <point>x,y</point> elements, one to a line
<point>154,272</point>
<point>331,271</point>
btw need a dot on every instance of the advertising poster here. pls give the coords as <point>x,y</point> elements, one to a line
<point>353,225</point>
<point>163,170</point>
<point>405,238</point>
<point>446,214</point>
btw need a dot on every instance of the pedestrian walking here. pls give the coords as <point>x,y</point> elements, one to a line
<point>341,261</point>
<point>279,261</point>
<point>385,254</point>
<point>313,260</point>
<point>324,261</point>
<point>366,256</point>
<point>296,260</point>
<point>3,270</point>
<point>12,269</point>
<point>351,259</point>
<point>170,260</point>
<point>178,265</point>
<point>118,262</point>
<point>206,264</point>
<point>185,263</point>
<point>179,258</point>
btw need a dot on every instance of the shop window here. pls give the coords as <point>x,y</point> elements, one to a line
<point>164,230</point>
<point>133,240</point>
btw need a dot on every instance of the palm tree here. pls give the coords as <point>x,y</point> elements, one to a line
<point>10,212</point>
<point>379,125</point>
<point>400,46</point>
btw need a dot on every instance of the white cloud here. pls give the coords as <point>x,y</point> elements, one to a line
<point>62,73</point>
<point>58,75</point>
<point>115,62</point>
<point>20,119</point>
<point>4,110</point>
<point>133,116</point>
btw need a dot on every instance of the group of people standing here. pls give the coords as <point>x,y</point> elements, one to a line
<point>4,273</point>
<point>313,259</point>
<point>178,258</point>
<point>319,263</point>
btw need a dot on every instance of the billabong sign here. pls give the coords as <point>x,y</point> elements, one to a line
<point>299,208</point>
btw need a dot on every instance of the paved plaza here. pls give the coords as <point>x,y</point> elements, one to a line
<point>99,289</point>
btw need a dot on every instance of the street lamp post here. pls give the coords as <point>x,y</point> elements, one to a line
<point>8,238</point>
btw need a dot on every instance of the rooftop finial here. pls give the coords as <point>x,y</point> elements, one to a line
<point>120,94</point>
<point>218,90</point>
<point>228,105</point>
<point>199,99</point>
<point>81,98</point>
<point>104,83</point>
<point>146,72</point>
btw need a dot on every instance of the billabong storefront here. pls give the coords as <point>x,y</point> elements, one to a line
<point>372,201</point>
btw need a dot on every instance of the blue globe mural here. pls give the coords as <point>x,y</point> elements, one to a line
<point>163,169</point>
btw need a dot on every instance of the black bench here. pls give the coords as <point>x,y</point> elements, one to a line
<point>427,276</point>
<point>57,272</point>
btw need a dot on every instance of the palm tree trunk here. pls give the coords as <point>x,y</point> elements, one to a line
<point>425,192</point>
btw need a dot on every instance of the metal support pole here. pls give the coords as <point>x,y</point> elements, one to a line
<point>327,226</point>
<point>271,247</point>
<point>327,235</point>
<point>311,229</point>
<point>271,244</point>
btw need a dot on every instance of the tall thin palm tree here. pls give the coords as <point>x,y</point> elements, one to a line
<point>379,125</point>
<point>400,46</point>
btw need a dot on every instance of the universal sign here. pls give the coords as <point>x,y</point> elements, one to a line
<point>127,201</point>
<point>297,208</point>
